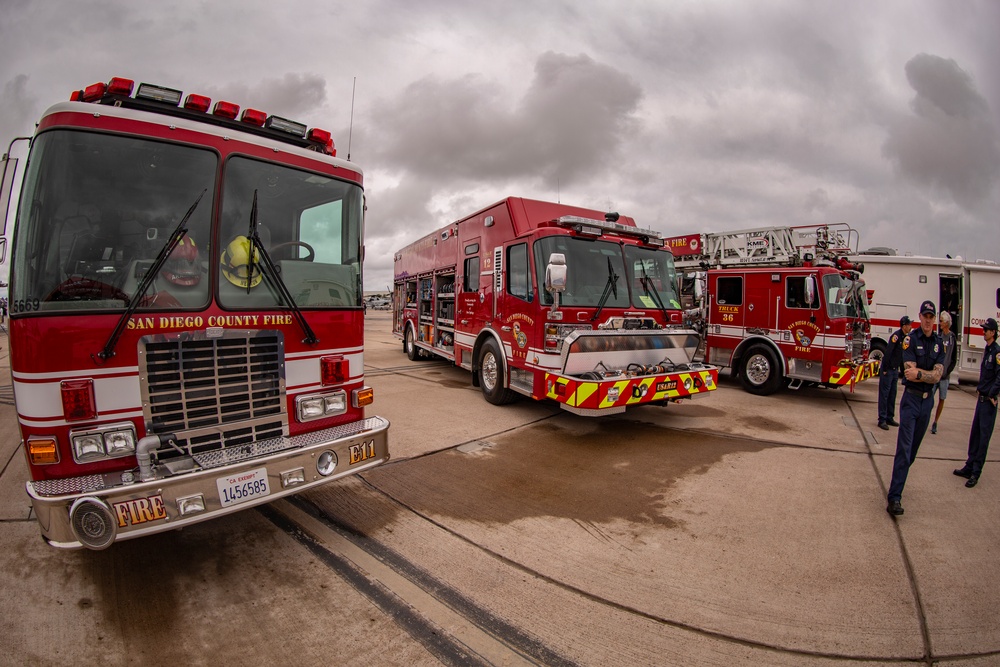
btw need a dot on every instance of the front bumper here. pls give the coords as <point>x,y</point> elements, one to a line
<point>95,514</point>
<point>614,395</point>
<point>850,375</point>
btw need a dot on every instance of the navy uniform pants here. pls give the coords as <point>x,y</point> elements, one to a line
<point>979,438</point>
<point>914,416</point>
<point>887,384</point>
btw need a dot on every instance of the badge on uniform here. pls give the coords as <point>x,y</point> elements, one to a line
<point>998,357</point>
<point>935,348</point>
<point>895,339</point>
<point>906,343</point>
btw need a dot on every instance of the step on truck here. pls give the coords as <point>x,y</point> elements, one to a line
<point>780,305</point>
<point>553,302</point>
<point>186,321</point>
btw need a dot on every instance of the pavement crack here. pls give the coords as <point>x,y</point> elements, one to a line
<point>904,552</point>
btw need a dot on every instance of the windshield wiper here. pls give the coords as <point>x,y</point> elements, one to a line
<point>272,276</point>
<point>147,280</point>
<point>609,287</point>
<point>647,286</point>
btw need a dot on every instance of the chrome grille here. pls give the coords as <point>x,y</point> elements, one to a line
<point>213,393</point>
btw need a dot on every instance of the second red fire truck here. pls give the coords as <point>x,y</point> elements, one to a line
<point>781,305</point>
<point>552,302</point>
<point>186,330</point>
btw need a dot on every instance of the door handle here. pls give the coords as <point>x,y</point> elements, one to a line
<point>504,328</point>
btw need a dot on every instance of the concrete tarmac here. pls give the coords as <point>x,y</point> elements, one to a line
<point>727,530</point>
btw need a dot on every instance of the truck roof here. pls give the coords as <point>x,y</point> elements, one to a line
<point>54,117</point>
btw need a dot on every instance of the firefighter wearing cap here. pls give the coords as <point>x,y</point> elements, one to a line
<point>236,264</point>
<point>923,366</point>
<point>888,379</point>
<point>986,406</point>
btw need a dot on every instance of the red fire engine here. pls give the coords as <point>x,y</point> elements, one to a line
<point>781,303</point>
<point>552,302</point>
<point>186,326</point>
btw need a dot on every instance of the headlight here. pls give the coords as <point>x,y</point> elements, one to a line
<point>317,406</point>
<point>88,447</point>
<point>110,442</point>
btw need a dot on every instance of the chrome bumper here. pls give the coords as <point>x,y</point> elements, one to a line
<point>99,516</point>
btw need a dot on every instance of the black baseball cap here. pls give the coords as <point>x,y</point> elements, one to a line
<point>904,320</point>
<point>990,324</point>
<point>928,307</point>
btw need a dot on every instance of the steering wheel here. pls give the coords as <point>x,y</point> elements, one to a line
<point>78,288</point>
<point>290,244</point>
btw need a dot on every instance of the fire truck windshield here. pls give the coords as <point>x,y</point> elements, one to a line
<point>844,297</point>
<point>309,225</point>
<point>651,271</point>
<point>96,209</point>
<point>587,273</point>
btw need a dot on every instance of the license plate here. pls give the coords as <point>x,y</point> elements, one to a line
<point>666,386</point>
<point>236,489</point>
<point>362,452</point>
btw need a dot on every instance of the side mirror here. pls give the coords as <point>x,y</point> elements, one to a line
<point>555,273</point>
<point>810,290</point>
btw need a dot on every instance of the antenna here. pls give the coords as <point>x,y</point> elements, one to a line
<point>350,132</point>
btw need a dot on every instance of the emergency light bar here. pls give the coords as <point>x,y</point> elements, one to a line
<point>592,227</point>
<point>158,94</point>
<point>160,99</point>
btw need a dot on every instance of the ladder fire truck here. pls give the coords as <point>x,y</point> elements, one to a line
<point>781,303</point>
<point>186,333</point>
<point>553,302</point>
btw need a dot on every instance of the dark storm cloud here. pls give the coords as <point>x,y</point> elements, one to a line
<point>571,119</point>
<point>951,140</point>
<point>18,107</point>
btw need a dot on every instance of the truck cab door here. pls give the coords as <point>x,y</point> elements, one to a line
<point>760,311</point>
<point>516,322</point>
<point>728,301</point>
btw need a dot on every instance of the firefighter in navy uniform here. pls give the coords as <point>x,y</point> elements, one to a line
<point>888,378</point>
<point>986,406</point>
<point>923,366</point>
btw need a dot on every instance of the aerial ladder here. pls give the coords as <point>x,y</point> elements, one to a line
<point>765,246</point>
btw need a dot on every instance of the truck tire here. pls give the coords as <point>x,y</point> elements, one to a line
<point>409,345</point>
<point>759,371</point>
<point>878,350</point>
<point>491,378</point>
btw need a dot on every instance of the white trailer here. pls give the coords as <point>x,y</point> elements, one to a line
<point>970,291</point>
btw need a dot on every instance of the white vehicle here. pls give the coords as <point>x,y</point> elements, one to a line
<point>970,291</point>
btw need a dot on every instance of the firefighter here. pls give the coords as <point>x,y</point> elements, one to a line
<point>923,366</point>
<point>948,338</point>
<point>986,406</point>
<point>888,379</point>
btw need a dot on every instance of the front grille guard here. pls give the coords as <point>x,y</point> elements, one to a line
<point>221,397</point>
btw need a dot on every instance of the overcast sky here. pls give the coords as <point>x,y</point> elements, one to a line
<point>688,116</point>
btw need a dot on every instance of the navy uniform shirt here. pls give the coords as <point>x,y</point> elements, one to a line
<point>989,371</point>
<point>892,360</point>
<point>925,351</point>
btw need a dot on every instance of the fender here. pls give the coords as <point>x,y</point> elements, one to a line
<point>483,335</point>
<point>752,340</point>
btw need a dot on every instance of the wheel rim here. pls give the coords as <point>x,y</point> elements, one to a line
<point>409,340</point>
<point>489,371</point>
<point>875,354</point>
<point>758,369</point>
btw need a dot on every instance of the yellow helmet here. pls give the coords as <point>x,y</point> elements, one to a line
<point>235,261</point>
